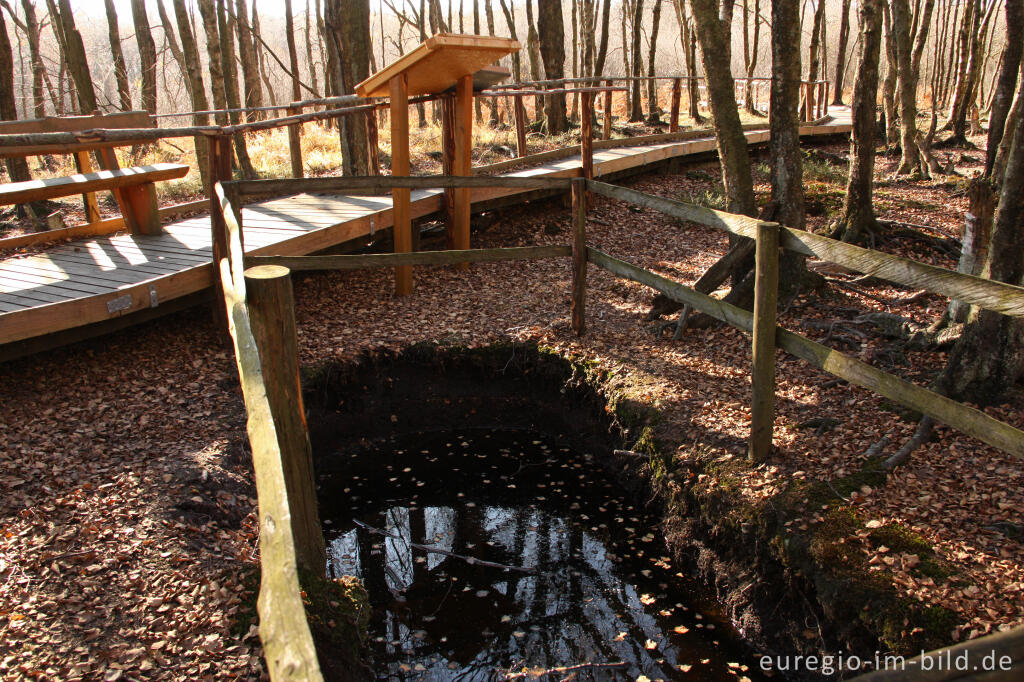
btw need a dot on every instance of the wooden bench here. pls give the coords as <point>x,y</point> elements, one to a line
<point>133,188</point>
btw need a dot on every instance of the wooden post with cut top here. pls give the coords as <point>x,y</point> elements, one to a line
<point>295,142</point>
<point>272,312</point>
<point>519,110</point>
<point>587,134</point>
<point>766,294</point>
<point>579,256</point>
<point>400,198</point>
<point>677,95</point>
<point>448,166</point>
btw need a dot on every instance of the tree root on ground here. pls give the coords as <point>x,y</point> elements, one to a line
<point>921,436</point>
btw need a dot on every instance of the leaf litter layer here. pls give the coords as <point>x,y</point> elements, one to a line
<point>129,508</point>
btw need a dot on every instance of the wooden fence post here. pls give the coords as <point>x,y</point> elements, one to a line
<point>607,133</point>
<point>272,312</point>
<point>677,94</point>
<point>825,100</point>
<point>448,167</point>
<point>766,294</point>
<point>463,160</point>
<point>587,134</point>
<point>295,143</point>
<point>519,111</point>
<point>220,171</point>
<point>579,256</point>
<point>401,209</point>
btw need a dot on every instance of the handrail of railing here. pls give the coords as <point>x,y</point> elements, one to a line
<point>288,645</point>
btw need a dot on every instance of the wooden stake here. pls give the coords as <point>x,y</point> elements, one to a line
<point>607,133</point>
<point>295,144</point>
<point>677,94</point>
<point>520,115</point>
<point>220,171</point>
<point>587,134</point>
<point>579,256</point>
<point>400,167</point>
<point>463,158</point>
<point>766,293</point>
<point>272,312</point>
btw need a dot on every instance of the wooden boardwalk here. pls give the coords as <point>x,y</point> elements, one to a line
<point>88,281</point>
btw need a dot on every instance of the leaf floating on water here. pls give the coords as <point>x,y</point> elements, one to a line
<point>620,637</point>
<point>650,644</point>
<point>646,599</point>
<point>680,630</point>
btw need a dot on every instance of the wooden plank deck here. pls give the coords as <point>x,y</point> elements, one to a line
<point>92,280</point>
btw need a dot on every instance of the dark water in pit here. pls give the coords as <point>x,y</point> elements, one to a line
<point>603,590</point>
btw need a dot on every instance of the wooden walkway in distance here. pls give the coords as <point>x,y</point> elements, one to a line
<point>88,281</point>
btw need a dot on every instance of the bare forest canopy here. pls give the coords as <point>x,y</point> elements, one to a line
<point>601,38</point>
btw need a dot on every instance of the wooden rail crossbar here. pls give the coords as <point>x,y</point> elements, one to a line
<point>991,295</point>
<point>383,184</point>
<point>287,641</point>
<point>387,260</point>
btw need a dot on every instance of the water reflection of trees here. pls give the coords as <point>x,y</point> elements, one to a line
<point>432,610</point>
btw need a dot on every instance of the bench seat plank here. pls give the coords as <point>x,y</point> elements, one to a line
<point>35,190</point>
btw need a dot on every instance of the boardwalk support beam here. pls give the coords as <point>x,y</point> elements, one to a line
<point>400,167</point>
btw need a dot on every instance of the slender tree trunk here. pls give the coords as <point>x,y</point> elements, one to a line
<point>17,167</point>
<point>970,24</point>
<point>348,24</point>
<point>636,112</point>
<point>172,45</point>
<point>147,54</point>
<point>910,161</point>
<point>261,59</point>
<point>38,69</point>
<point>253,87</point>
<point>533,50</point>
<point>310,64</point>
<point>194,73</point>
<point>117,54</point>
<point>1007,81</point>
<point>653,114</point>
<point>74,53</point>
<point>858,209</point>
<point>1002,154</point>
<point>750,57</point>
<point>208,11</point>
<point>686,39</point>
<point>889,86</point>
<point>293,54</point>
<point>814,57</point>
<point>229,66</point>
<point>713,35</point>
<point>844,38</point>
<point>552,50</point>
<point>602,50</point>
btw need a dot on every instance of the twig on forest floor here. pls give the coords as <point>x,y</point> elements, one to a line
<point>921,435</point>
<point>537,674</point>
<point>437,550</point>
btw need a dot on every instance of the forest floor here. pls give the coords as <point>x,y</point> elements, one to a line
<point>129,539</point>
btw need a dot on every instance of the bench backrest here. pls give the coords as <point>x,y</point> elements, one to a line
<point>71,124</point>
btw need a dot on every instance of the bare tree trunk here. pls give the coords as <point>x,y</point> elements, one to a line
<point>194,73</point>
<point>261,59</point>
<point>117,54</point>
<point>172,45</point>
<point>602,50</point>
<point>293,54</point>
<point>689,48</point>
<point>910,161</point>
<point>17,167</point>
<point>220,100</point>
<point>858,210</point>
<point>517,66</point>
<point>229,66</point>
<point>636,112</point>
<point>552,50</point>
<point>74,52</point>
<point>970,25</point>
<point>250,67</point>
<point>713,35</point>
<point>989,357</point>
<point>1002,154</point>
<point>348,24</point>
<point>889,86</point>
<point>653,114</point>
<point>750,55</point>
<point>844,38</point>
<point>147,54</point>
<point>310,64</point>
<point>38,69</point>
<point>533,50</point>
<point>1007,81</point>
<point>814,57</point>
